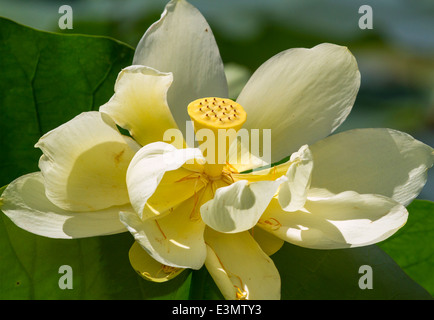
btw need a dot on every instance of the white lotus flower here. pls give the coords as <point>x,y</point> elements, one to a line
<point>344,190</point>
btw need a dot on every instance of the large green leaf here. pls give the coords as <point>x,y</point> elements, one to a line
<point>412,247</point>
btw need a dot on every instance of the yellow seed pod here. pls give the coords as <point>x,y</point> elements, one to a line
<point>216,113</point>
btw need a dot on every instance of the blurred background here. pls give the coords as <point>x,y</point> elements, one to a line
<point>395,57</point>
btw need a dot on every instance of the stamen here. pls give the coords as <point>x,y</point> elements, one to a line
<point>272,223</point>
<point>159,228</point>
<point>231,168</point>
<point>240,294</point>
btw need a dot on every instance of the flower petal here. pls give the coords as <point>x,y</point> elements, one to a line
<point>378,161</point>
<point>238,207</point>
<point>139,103</point>
<point>25,203</point>
<point>293,192</point>
<point>240,268</point>
<point>182,42</point>
<point>269,243</point>
<point>149,268</point>
<point>302,95</point>
<point>337,221</point>
<point>147,169</point>
<point>173,240</point>
<point>85,162</point>
<point>175,187</point>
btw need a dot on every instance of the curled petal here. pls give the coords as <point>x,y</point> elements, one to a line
<point>149,268</point>
<point>238,207</point>
<point>85,162</point>
<point>147,169</point>
<point>293,192</point>
<point>139,103</point>
<point>331,221</point>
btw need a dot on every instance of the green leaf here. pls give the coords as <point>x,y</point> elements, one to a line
<point>334,274</point>
<point>412,247</point>
<point>308,274</point>
<point>29,268</point>
<point>47,79</point>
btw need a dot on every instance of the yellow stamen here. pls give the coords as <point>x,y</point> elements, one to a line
<point>271,223</point>
<point>240,294</point>
<point>224,118</point>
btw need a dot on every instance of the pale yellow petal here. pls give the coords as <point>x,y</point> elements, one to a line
<point>337,221</point>
<point>84,163</point>
<point>293,192</point>
<point>182,43</point>
<point>146,172</point>
<point>379,161</point>
<point>175,239</point>
<point>268,242</point>
<point>238,207</point>
<point>302,95</point>
<point>139,103</point>
<point>240,268</point>
<point>149,268</point>
<point>26,204</point>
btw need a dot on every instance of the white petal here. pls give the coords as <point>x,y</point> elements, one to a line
<point>238,207</point>
<point>302,95</point>
<point>182,42</point>
<point>139,103</point>
<point>148,167</point>
<point>85,162</point>
<point>344,220</point>
<point>293,192</point>
<point>174,240</point>
<point>378,161</point>
<point>25,203</point>
<point>240,268</point>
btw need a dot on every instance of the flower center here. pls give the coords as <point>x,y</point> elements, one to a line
<point>216,123</point>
